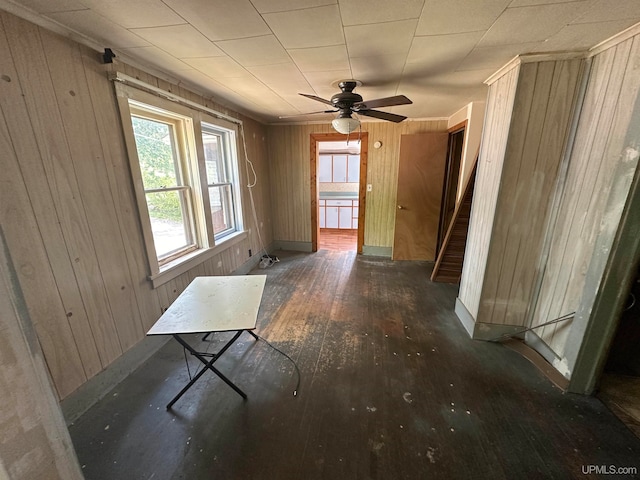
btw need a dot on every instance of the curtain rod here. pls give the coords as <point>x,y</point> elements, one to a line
<point>134,82</point>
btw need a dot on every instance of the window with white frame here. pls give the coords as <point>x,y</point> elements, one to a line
<point>185,171</point>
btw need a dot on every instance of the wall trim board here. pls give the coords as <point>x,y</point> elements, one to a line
<point>97,387</point>
<point>465,317</point>
<point>373,251</point>
<point>534,58</point>
<point>538,360</point>
<point>294,246</point>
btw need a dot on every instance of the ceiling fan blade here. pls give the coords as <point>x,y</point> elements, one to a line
<point>391,117</point>
<point>381,102</point>
<point>317,99</point>
<point>308,113</point>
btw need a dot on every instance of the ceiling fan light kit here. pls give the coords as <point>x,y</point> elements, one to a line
<point>347,103</point>
<point>345,125</point>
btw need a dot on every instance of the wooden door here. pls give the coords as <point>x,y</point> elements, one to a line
<point>420,180</point>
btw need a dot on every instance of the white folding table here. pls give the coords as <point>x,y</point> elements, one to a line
<point>208,305</point>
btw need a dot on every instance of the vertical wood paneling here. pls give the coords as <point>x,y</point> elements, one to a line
<point>492,149</point>
<point>538,131</point>
<point>68,206</point>
<point>600,156</point>
<point>289,166</point>
<point>46,119</point>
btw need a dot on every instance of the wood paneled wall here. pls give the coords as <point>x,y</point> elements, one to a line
<point>540,124</point>
<point>290,176</point>
<point>67,202</point>
<point>603,160</point>
<point>492,150</point>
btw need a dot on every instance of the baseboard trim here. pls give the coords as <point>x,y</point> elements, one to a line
<point>373,251</point>
<point>493,331</point>
<point>96,388</point>
<point>293,246</point>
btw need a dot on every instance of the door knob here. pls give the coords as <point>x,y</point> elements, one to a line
<point>400,207</point>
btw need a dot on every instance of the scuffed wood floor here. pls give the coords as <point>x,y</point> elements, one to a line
<point>391,388</point>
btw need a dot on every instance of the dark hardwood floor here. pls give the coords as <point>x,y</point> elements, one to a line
<point>391,388</point>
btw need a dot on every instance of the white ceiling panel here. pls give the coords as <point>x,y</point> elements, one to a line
<point>380,39</point>
<point>271,6</point>
<point>607,10</point>
<point>458,16</point>
<point>529,24</point>
<point>181,41</point>
<point>482,58</point>
<point>440,51</point>
<point>224,20</point>
<point>284,78</point>
<point>262,50</point>
<point>132,14</point>
<point>259,54</point>
<point>582,36</point>
<point>218,67</point>
<point>46,6</point>
<point>383,70</point>
<point>361,12</point>
<point>157,58</point>
<point>527,3</point>
<point>311,27</point>
<point>321,58</point>
<point>97,27</point>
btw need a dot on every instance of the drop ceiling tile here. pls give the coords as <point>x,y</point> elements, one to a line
<point>238,20</point>
<point>323,83</point>
<point>132,14</point>
<point>262,50</point>
<point>440,51</point>
<point>48,6</point>
<point>583,36</point>
<point>529,24</point>
<point>379,71</point>
<point>312,27</point>
<point>481,58</point>
<point>217,67</point>
<point>606,10</point>
<point>97,27</point>
<point>380,39</point>
<point>272,6</point>
<point>526,3</point>
<point>181,41</point>
<point>320,59</point>
<point>284,78</point>
<point>458,16</point>
<point>361,12</point>
<point>157,58</point>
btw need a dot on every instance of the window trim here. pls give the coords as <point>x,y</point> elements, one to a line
<point>207,244</point>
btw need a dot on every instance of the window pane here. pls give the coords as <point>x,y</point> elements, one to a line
<point>214,158</point>
<point>156,152</point>
<point>221,202</point>
<point>167,213</point>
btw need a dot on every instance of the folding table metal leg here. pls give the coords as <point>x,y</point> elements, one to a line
<point>207,365</point>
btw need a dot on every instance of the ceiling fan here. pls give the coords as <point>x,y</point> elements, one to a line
<point>346,103</point>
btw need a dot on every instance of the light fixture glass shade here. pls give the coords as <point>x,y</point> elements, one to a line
<point>345,124</point>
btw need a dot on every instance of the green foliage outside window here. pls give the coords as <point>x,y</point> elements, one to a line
<point>154,143</point>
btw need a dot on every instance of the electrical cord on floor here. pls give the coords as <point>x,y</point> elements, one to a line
<point>295,392</point>
<point>506,336</point>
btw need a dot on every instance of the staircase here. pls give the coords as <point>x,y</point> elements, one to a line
<point>448,267</point>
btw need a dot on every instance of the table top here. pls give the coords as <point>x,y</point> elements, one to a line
<point>213,304</point>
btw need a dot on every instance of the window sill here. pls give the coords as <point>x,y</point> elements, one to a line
<point>185,263</point>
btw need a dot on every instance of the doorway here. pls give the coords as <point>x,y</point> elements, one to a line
<point>338,178</point>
